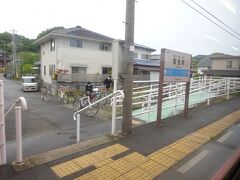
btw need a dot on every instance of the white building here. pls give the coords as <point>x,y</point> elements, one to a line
<point>78,50</point>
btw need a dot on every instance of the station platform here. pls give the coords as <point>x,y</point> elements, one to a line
<point>150,152</point>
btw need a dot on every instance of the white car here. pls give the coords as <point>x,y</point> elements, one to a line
<point>29,83</point>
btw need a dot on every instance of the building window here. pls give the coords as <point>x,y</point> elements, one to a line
<point>106,70</point>
<point>82,70</point>
<point>104,46</point>
<point>174,61</point>
<point>229,64</point>
<point>44,69</point>
<point>77,43</point>
<point>51,69</point>
<point>52,45</point>
<point>135,55</point>
<point>145,56</point>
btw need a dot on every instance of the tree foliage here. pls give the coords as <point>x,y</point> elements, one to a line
<point>43,33</point>
<point>22,43</point>
<point>27,69</point>
<point>28,57</point>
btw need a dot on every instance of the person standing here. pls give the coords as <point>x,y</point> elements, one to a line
<point>107,83</point>
<point>89,88</point>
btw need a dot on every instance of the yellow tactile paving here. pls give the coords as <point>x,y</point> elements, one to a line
<point>173,153</point>
<point>153,168</point>
<point>136,158</point>
<point>138,173</point>
<point>209,132</point>
<point>220,124</point>
<point>190,143</point>
<point>104,172</point>
<point>137,166</point>
<point>85,177</point>
<point>66,168</point>
<point>197,139</point>
<point>122,166</point>
<point>163,159</point>
<point>182,148</point>
<point>122,178</point>
<point>86,160</point>
<point>109,151</point>
<point>103,162</point>
<point>218,127</point>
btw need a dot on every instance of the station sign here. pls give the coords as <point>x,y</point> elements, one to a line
<point>177,65</point>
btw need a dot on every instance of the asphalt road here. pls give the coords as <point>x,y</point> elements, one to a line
<point>46,125</point>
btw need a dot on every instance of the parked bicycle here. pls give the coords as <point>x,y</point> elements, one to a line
<point>84,101</point>
<point>101,93</point>
<point>46,94</point>
<point>61,94</point>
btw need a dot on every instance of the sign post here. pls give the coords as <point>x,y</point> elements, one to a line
<point>174,67</point>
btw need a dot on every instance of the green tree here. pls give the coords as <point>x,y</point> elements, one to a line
<point>22,43</point>
<point>27,59</point>
<point>27,69</point>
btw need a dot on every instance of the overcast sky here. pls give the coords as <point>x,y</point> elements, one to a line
<point>158,23</point>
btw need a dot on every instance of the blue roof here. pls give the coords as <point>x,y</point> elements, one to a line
<point>146,63</point>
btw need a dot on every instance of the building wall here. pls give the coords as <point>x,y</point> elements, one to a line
<point>93,60</point>
<point>48,58</point>
<point>201,69</point>
<point>66,57</point>
<point>154,75</point>
<point>221,64</point>
<point>141,51</point>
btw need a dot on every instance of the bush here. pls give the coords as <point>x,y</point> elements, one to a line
<point>1,70</point>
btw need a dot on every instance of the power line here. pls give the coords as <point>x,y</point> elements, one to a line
<point>215,17</point>
<point>210,20</point>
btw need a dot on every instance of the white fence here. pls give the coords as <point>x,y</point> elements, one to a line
<point>201,90</point>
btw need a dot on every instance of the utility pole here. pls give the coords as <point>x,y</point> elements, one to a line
<point>128,75</point>
<point>14,53</point>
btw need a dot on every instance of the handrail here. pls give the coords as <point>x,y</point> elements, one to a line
<point>112,94</point>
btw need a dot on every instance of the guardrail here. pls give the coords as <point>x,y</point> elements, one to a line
<point>19,105</point>
<point>208,88</point>
<point>117,96</point>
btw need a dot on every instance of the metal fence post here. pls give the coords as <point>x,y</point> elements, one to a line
<point>209,91</point>
<point>3,159</point>
<point>176,99</point>
<point>18,121</point>
<point>234,85</point>
<point>78,127</point>
<point>228,87</point>
<point>114,106</point>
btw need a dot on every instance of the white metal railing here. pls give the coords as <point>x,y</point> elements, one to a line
<point>19,105</point>
<point>147,95</point>
<point>2,127</point>
<point>117,96</point>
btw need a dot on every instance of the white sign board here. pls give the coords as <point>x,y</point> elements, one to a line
<point>177,66</point>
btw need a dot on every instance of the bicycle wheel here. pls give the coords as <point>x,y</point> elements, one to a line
<point>65,100</point>
<point>103,102</point>
<point>48,97</point>
<point>92,110</point>
<point>43,93</point>
<point>42,96</point>
<point>76,104</point>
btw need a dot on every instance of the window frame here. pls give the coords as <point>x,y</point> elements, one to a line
<point>75,44</point>
<point>52,45</point>
<point>229,64</point>
<point>51,69</point>
<point>103,46</point>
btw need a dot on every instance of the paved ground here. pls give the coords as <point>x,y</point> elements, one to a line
<point>46,125</point>
<point>146,140</point>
